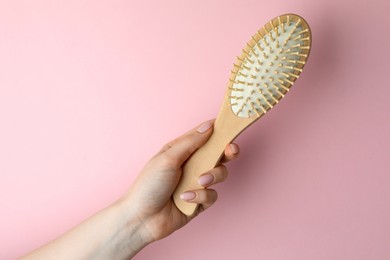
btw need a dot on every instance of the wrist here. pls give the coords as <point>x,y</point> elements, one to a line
<point>131,233</point>
<point>113,233</point>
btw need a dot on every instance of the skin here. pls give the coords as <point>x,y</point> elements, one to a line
<point>146,213</point>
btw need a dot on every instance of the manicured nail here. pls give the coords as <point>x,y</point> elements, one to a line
<point>204,127</point>
<point>234,148</point>
<point>206,179</point>
<point>189,195</point>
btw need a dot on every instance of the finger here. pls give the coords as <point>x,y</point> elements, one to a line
<point>205,197</point>
<point>216,175</point>
<point>178,139</point>
<point>231,152</point>
<point>182,148</point>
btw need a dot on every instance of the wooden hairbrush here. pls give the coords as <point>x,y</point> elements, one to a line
<point>262,75</point>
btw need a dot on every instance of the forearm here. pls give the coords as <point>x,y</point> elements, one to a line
<point>113,233</point>
<point>117,232</point>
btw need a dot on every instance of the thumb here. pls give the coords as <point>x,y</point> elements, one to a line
<point>182,148</point>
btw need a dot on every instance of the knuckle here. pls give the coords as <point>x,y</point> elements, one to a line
<point>225,173</point>
<point>213,196</point>
<point>222,172</point>
<point>168,161</point>
<point>207,196</point>
<point>191,144</point>
<point>210,196</point>
<point>193,141</point>
<point>166,146</point>
<point>169,145</point>
<point>224,169</point>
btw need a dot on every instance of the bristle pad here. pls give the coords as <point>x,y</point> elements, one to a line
<point>270,66</point>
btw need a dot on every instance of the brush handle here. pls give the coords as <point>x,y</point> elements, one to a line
<point>200,162</point>
<point>226,128</point>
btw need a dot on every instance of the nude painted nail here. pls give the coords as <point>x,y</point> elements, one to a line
<point>189,195</point>
<point>204,127</point>
<point>234,148</point>
<point>206,179</point>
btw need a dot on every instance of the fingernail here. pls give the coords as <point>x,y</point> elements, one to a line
<point>206,179</point>
<point>234,148</point>
<point>189,195</point>
<point>204,127</point>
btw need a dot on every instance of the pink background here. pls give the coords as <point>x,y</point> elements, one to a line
<point>90,90</point>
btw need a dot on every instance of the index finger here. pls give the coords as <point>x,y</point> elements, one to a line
<point>181,149</point>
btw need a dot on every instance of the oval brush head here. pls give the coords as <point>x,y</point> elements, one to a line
<point>262,75</point>
<point>269,65</point>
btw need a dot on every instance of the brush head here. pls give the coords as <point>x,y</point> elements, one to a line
<point>269,65</point>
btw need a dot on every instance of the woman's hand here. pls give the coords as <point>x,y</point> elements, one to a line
<point>146,212</point>
<point>150,197</point>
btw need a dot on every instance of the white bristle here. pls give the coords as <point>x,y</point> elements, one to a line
<point>269,66</point>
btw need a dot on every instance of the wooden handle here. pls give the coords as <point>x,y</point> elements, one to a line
<point>203,160</point>
<point>226,128</point>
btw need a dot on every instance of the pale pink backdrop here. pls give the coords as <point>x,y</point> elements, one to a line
<point>90,90</point>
